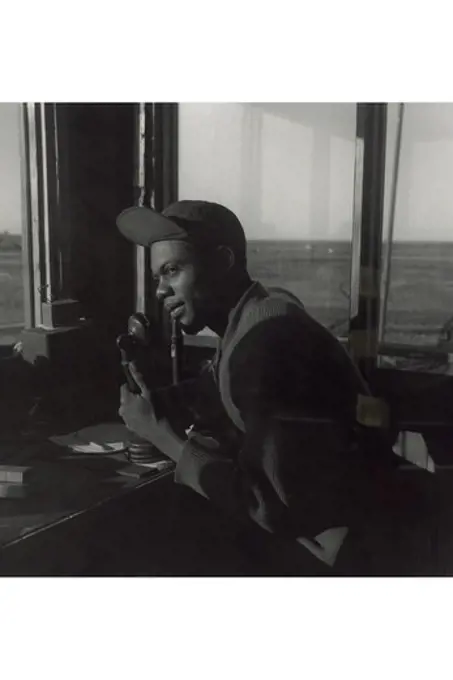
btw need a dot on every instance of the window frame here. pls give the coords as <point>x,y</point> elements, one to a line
<point>43,268</point>
<point>156,185</point>
<point>365,147</point>
<point>443,351</point>
<point>363,339</point>
<point>69,238</point>
<point>41,191</point>
<point>368,217</point>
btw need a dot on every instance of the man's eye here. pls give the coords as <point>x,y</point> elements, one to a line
<point>171,271</point>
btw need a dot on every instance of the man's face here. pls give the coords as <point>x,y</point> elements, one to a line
<point>181,283</point>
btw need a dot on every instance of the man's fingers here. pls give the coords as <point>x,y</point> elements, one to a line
<point>138,378</point>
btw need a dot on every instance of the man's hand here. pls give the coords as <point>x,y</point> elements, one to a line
<point>137,410</point>
<point>139,416</point>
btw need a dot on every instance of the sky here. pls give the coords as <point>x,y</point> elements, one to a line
<point>10,171</point>
<point>287,169</point>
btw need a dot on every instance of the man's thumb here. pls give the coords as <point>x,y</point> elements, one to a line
<point>138,378</point>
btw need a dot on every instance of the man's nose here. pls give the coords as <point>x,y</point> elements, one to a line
<point>162,291</point>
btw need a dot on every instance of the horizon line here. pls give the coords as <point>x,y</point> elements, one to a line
<point>319,240</point>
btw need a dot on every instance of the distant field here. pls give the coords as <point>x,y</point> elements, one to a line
<point>11,288</point>
<point>421,292</point>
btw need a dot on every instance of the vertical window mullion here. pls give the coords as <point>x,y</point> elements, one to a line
<point>34,221</point>
<point>367,238</point>
<point>156,169</point>
<point>46,229</point>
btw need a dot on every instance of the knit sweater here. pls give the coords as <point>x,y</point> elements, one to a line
<point>281,457</point>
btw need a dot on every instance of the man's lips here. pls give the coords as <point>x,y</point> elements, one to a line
<point>175,309</point>
<point>177,312</point>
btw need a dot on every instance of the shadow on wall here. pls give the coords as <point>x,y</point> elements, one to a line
<point>99,184</point>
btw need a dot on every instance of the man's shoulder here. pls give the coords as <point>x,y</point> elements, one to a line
<point>277,321</point>
<point>277,302</point>
<point>271,322</point>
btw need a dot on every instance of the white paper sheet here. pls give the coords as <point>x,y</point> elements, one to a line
<point>97,439</point>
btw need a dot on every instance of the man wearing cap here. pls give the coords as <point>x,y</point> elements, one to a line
<point>279,455</point>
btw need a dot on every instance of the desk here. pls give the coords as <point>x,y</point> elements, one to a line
<point>75,511</point>
<point>83,519</point>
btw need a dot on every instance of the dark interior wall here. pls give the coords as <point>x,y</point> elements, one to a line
<point>98,180</point>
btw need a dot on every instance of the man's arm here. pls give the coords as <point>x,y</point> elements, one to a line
<point>237,485</point>
<point>274,480</point>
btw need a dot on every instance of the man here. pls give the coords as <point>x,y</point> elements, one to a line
<point>278,451</point>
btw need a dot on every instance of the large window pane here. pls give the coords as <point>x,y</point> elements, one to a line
<point>419,304</point>
<point>11,284</point>
<point>287,171</point>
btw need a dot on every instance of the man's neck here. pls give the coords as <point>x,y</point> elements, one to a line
<point>226,301</point>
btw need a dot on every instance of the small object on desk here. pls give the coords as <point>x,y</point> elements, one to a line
<point>138,471</point>
<point>142,452</point>
<point>141,470</point>
<point>15,474</point>
<point>13,490</point>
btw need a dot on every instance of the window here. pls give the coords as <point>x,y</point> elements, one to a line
<point>287,171</point>
<point>11,281</point>
<point>417,282</point>
<point>68,169</point>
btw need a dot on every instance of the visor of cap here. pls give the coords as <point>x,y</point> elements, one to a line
<point>145,226</point>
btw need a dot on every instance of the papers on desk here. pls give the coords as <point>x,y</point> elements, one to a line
<point>106,438</point>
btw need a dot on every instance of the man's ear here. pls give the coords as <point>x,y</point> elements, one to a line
<point>226,258</point>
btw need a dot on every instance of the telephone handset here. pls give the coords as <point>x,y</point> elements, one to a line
<point>138,336</point>
<point>144,337</point>
<point>145,344</point>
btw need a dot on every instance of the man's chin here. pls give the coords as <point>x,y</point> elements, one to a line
<point>191,328</point>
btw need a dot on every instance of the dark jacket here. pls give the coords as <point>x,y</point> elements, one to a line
<point>277,447</point>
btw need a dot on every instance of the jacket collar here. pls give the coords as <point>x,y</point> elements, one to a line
<point>254,292</point>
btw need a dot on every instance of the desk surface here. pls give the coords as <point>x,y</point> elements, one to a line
<point>64,484</point>
<point>76,516</point>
